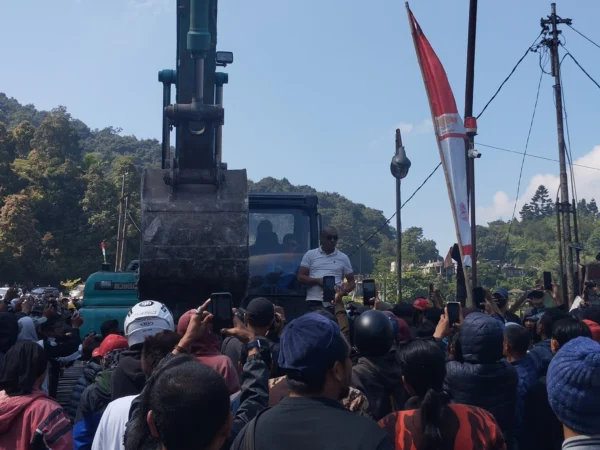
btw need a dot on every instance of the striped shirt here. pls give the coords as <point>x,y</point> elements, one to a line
<point>582,443</point>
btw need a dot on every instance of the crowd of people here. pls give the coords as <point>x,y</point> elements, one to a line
<point>408,376</point>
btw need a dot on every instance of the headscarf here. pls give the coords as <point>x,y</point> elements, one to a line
<point>27,331</point>
<point>207,345</point>
<point>25,362</point>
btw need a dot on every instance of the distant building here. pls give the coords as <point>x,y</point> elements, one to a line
<point>437,268</point>
<point>511,270</point>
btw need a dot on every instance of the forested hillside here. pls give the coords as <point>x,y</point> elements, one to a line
<point>60,184</point>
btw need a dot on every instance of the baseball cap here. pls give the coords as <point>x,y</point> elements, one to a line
<point>384,306</point>
<point>310,345</point>
<point>421,303</point>
<point>110,342</point>
<point>502,292</point>
<point>260,312</point>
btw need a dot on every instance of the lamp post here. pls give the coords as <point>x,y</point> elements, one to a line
<point>399,168</point>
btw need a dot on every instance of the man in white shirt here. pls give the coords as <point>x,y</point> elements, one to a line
<point>322,262</point>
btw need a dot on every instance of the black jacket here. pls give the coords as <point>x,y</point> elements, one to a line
<point>90,371</point>
<point>482,378</point>
<point>380,380</point>
<point>300,423</point>
<point>128,377</point>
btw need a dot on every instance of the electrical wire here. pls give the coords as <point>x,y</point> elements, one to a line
<point>529,49</point>
<point>582,69</point>
<point>583,35</point>
<point>529,155</point>
<point>537,97</point>
<point>394,215</point>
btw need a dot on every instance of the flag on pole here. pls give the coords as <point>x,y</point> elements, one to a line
<point>449,132</point>
<point>103,250</point>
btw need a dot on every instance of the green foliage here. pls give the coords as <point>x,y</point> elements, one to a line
<point>60,188</point>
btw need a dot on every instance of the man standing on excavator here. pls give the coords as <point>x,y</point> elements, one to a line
<point>325,261</point>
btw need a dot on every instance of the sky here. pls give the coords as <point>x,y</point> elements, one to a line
<point>317,89</point>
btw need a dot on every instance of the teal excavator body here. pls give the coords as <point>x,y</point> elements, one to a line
<point>194,224</point>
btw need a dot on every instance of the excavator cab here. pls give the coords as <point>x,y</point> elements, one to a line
<point>281,229</point>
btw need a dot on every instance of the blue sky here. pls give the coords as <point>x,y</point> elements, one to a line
<point>318,88</point>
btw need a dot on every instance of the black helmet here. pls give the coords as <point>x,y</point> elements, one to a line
<point>373,333</point>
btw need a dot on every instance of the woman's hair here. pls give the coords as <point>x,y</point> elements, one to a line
<point>424,368</point>
<point>182,393</point>
<point>24,363</point>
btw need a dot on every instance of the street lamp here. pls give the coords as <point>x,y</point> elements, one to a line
<point>399,168</point>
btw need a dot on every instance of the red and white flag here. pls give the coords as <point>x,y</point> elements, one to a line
<point>449,132</point>
<point>103,250</point>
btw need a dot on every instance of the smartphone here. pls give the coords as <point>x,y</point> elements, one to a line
<point>479,298</point>
<point>220,306</point>
<point>369,291</point>
<point>547,281</point>
<point>328,288</point>
<point>453,309</point>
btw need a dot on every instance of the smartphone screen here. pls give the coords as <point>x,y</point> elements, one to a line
<point>368,291</point>
<point>328,289</point>
<point>479,297</point>
<point>453,313</point>
<point>220,307</point>
<point>547,281</point>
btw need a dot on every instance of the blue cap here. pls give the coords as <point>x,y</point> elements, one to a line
<point>502,292</point>
<point>311,344</point>
<point>573,383</point>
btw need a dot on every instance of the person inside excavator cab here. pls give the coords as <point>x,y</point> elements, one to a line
<point>267,241</point>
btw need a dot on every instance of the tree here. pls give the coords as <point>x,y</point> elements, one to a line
<point>23,135</point>
<point>540,206</point>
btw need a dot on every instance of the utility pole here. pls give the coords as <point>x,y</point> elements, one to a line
<point>550,25</point>
<point>124,233</point>
<point>120,227</point>
<point>471,129</point>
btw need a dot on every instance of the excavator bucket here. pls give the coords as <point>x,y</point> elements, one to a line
<point>194,240</point>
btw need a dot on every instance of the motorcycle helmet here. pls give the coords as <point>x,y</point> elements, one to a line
<point>373,333</point>
<point>147,318</point>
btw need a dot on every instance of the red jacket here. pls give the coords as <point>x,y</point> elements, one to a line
<point>34,417</point>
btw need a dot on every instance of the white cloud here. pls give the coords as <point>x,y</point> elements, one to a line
<point>155,7</point>
<point>587,182</point>
<point>425,126</point>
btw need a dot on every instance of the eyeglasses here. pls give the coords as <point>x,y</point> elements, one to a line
<point>332,237</point>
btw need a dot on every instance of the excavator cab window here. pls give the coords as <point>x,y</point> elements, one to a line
<point>278,239</point>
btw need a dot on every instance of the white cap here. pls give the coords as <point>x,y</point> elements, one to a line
<point>147,318</point>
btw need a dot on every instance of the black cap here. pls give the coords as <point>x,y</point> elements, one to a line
<point>260,312</point>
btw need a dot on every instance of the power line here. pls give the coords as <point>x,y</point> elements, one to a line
<point>583,35</point>
<point>394,215</point>
<point>529,155</point>
<point>582,69</point>
<point>537,97</point>
<point>529,49</point>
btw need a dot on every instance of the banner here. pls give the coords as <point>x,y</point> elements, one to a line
<point>449,132</point>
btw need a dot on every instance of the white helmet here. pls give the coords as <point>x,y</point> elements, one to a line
<point>147,318</point>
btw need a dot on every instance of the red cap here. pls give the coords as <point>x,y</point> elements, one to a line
<point>110,342</point>
<point>421,303</point>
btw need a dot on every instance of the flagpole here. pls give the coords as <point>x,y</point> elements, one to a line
<point>470,82</point>
<point>449,187</point>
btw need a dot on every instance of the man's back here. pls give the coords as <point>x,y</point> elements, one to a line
<point>300,423</point>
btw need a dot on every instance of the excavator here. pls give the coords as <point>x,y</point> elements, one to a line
<point>201,231</point>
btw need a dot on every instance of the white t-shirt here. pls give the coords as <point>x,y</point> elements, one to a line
<point>320,264</point>
<point>111,429</point>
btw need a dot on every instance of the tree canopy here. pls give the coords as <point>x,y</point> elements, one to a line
<point>60,187</point>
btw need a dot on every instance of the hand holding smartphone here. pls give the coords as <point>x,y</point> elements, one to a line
<point>221,307</point>
<point>369,292</point>
<point>328,289</point>
<point>453,311</point>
